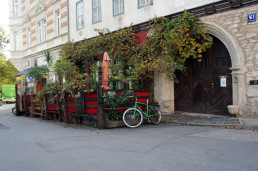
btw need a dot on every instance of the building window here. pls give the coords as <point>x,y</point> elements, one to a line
<point>35,62</point>
<point>96,11</point>
<point>39,32</point>
<point>29,37</point>
<point>142,3</point>
<point>58,23</point>
<point>27,4</point>
<point>223,62</point>
<point>15,8</point>
<point>27,63</point>
<point>17,41</point>
<point>80,15</point>
<point>118,7</point>
<point>44,30</point>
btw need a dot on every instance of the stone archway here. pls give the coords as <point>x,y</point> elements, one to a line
<point>164,89</point>
<point>238,63</point>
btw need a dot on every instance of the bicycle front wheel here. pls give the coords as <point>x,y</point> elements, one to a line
<point>132,117</point>
<point>155,114</point>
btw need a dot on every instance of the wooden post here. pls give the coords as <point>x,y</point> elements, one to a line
<point>17,95</point>
<point>46,97</point>
<point>101,120</point>
<point>59,107</point>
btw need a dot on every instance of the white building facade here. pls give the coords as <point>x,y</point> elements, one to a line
<point>36,26</point>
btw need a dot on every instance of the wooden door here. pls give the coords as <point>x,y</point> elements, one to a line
<point>200,91</point>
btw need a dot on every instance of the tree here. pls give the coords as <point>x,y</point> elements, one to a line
<point>3,39</point>
<point>49,60</point>
<point>7,70</point>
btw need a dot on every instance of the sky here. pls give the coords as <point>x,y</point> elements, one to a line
<point>4,14</point>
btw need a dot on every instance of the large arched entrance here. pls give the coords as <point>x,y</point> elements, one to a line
<point>207,87</point>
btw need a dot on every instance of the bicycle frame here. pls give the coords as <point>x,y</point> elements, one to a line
<point>136,106</point>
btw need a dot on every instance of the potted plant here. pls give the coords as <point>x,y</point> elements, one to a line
<point>113,108</point>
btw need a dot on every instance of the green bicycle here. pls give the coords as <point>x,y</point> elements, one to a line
<point>133,117</point>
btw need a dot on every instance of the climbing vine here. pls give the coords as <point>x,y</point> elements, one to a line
<point>169,44</point>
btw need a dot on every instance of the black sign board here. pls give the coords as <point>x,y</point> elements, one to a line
<point>79,105</point>
<point>254,82</point>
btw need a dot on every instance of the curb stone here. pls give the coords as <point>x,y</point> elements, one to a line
<point>240,126</point>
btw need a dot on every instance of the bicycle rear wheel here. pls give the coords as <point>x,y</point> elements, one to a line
<point>132,117</point>
<point>14,110</point>
<point>155,114</point>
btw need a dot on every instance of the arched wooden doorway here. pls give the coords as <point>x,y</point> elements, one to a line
<point>200,90</point>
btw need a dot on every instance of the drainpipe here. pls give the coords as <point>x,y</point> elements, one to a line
<point>68,21</point>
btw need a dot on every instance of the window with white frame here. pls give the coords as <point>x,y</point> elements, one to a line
<point>118,7</point>
<point>27,4</point>
<point>96,11</point>
<point>142,3</point>
<point>44,30</point>
<point>29,37</point>
<point>39,32</point>
<point>79,15</point>
<point>17,41</point>
<point>58,23</point>
<point>15,8</point>
<point>27,63</point>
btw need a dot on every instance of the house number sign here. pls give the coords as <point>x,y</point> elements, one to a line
<point>251,18</point>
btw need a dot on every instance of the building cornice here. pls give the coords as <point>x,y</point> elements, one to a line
<point>33,8</point>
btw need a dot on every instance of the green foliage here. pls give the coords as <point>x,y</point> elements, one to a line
<point>171,43</point>
<point>48,58</point>
<point>113,102</point>
<point>4,40</point>
<point>38,72</point>
<point>75,81</point>
<point>120,45</point>
<point>7,71</point>
<point>64,66</point>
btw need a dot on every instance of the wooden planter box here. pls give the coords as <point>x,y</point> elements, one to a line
<point>113,124</point>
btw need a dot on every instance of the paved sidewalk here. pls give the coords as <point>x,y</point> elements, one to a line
<point>210,120</point>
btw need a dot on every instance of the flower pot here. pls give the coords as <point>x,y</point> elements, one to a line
<point>113,124</point>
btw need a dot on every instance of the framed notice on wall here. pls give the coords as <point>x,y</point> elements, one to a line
<point>223,82</point>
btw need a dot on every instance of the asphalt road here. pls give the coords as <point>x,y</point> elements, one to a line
<point>31,144</point>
